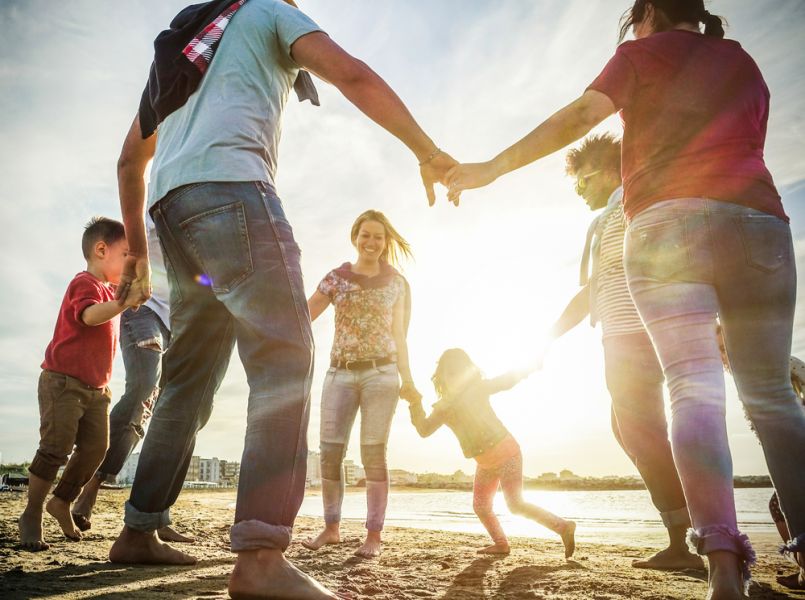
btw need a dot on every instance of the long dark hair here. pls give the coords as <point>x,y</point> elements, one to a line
<point>674,12</point>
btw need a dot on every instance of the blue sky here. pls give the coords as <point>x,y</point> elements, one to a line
<point>488,276</point>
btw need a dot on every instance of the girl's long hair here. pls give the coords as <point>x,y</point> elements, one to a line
<point>396,245</point>
<point>455,360</point>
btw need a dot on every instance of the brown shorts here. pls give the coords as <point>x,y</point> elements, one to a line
<point>74,419</point>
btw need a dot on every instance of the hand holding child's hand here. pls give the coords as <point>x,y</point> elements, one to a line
<point>409,393</point>
<point>135,282</point>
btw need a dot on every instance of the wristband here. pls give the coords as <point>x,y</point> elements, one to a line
<point>430,157</point>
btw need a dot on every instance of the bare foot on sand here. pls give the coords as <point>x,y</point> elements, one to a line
<point>30,526</point>
<point>372,547</point>
<point>60,510</point>
<point>671,559</point>
<point>82,522</point>
<point>499,548</point>
<point>169,534</point>
<point>267,574</point>
<point>569,538</point>
<point>725,581</point>
<point>329,535</point>
<point>144,548</point>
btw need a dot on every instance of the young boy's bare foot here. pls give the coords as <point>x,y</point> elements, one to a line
<point>267,574</point>
<point>30,526</point>
<point>372,547</point>
<point>60,510</point>
<point>169,534</point>
<point>569,538</point>
<point>144,548</point>
<point>329,535</point>
<point>671,559</point>
<point>498,548</point>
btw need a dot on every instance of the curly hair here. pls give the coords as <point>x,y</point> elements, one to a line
<point>603,151</point>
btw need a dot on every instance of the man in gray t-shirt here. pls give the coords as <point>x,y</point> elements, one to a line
<point>234,274</point>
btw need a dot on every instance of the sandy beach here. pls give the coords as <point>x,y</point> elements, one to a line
<point>415,564</point>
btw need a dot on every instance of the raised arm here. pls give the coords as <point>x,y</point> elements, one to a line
<point>564,127</point>
<point>317,53</point>
<point>135,282</point>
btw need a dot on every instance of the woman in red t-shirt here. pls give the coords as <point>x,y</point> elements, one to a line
<point>707,238</point>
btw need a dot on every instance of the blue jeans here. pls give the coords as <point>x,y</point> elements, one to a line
<point>689,262</point>
<point>234,274</point>
<point>376,393</point>
<point>143,339</point>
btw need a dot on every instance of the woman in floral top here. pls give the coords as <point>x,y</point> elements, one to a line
<point>369,355</point>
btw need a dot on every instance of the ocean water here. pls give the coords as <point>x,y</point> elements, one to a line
<point>622,517</point>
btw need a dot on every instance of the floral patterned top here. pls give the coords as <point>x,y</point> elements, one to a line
<point>364,309</point>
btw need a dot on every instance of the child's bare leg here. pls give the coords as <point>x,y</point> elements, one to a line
<point>30,521</point>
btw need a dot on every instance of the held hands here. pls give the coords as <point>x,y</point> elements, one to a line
<point>135,282</point>
<point>435,171</point>
<point>469,176</point>
<point>409,393</point>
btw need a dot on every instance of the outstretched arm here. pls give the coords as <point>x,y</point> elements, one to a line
<point>135,282</point>
<point>425,425</point>
<point>317,53</point>
<point>562,128</point>
<point>574,313</point>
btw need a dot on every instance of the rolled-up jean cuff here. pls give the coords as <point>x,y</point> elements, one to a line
<point>797,544</point>
<point>257,535</point>
<point>144,521</point>
<point>676,518</point>
<point>722,538</point>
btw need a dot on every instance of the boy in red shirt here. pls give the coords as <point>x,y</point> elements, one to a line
<point>73,393</point>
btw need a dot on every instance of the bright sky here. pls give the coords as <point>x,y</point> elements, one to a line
<point>488,276</point>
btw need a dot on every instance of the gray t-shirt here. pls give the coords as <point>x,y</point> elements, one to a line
<point>229,129</point>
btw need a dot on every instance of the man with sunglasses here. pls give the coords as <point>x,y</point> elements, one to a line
<point>633,374</point>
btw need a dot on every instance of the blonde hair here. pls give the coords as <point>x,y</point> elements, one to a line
<point>396,245</point>
<point>459,363</point>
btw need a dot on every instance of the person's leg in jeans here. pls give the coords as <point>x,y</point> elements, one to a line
<point>511,481</point>
<point>379,394</point>
<point>669,265</point>
<point>484,487</point>
<point>340,399</point>
<point>757,294</point>
<point>143,338</point>
<point>635,380</point>
<point>193,367</point>
<point>246,250</point>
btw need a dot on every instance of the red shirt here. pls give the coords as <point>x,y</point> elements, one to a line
<point>77,349</point>
<point>694,111</point>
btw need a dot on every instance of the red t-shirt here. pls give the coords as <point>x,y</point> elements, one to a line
<point>694,111</point>
<point>79,350</point>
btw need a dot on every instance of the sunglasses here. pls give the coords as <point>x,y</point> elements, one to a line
<point>581,180</point>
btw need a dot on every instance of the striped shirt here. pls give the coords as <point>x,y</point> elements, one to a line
<point>613,303</point>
